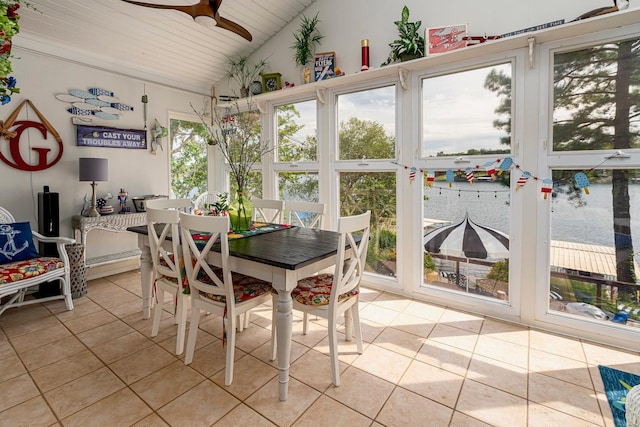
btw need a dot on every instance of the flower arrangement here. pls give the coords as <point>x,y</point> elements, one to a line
<point>8,28</point>
<point>237,134</point>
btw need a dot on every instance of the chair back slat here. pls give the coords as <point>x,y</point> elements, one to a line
<point>208,198</point>
<point>200,275</point>
<point>166,260</point>
<point>267,210</point>
<point>351,256</point>
<point>179,204</point>
<point>296,210</point>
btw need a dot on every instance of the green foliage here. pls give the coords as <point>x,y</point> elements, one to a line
<point>237,135</point>
<point>499,271</point>
<point>500,84</point>
<point>188,158</point>
<point>243,71</point>
<point>410,44</point>
<point>9,27</point>
<point>306,39</point>
<point>290,149</point>
<point>428,263</point>
<point>596,107</point>
<point>363,138</point>
<point>375,191</point>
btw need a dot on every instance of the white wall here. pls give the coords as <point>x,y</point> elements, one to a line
<point>345,23</point>
<point>40,78</point>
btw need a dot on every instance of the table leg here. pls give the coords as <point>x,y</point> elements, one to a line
<point>146,277</point>
<point>284,327</point>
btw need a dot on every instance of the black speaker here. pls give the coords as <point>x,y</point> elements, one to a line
<point>48,220</point>
<point>48,225</point>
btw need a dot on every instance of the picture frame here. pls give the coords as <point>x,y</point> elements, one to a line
<point>324,64</point>
<point>271,82</point>
<point>445,39</point>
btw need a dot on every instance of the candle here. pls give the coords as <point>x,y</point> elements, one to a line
<point>365,55</point>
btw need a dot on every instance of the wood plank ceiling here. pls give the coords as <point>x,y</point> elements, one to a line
<point>162,46</point>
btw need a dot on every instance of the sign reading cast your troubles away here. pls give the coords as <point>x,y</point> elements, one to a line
<point>100,136</point>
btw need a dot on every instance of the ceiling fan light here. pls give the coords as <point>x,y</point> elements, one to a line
<point>205,21</point>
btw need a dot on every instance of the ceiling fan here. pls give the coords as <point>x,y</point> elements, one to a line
<point>208,8</point>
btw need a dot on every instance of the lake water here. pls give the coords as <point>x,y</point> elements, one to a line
<point>487,203</point>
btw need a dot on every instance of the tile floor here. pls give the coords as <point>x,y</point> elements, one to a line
<point>423,365</point>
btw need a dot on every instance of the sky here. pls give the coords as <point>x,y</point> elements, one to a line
<point>457,111</point>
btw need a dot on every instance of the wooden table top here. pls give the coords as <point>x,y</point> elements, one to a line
<point>291,248</point>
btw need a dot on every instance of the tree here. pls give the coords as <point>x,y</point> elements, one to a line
<point>596,106</point>
<point>188,158</point>
<point>375,191</point>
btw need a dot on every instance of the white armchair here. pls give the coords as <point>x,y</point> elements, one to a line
<point>21,267</point>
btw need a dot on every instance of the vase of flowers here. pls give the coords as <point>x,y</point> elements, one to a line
<point>236,132</point>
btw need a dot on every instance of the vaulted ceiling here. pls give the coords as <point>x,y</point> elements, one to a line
<point>163,46</point>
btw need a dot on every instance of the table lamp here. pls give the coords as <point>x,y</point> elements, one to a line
<point>92,169</point>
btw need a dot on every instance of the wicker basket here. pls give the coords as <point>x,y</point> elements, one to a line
<point>78,273</point>
<point>633,407</point>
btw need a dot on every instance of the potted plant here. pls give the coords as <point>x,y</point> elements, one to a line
<point>244,72</point>
<point>306,39</point>
<point>410,44</point>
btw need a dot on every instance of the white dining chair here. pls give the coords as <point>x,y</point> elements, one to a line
<point>208,198</point>
<point>304,214</point>
<point>267,210</point>
<point>183,205</point>
<point>168,268</point>
<point>213,289</point>
<point>329,295</point>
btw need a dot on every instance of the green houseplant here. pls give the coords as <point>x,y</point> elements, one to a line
<point>306,38</point>
<point>244,72</point>
<point>410,44</point>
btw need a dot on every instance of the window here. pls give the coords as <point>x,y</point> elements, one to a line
<point>297,138</point>
<point>375,191</point>
<point>367,124</point>
<point>595,232</point>
<point>467,112</point>
<point>466,233</point>
<point>596,97</point>
<point>188,158</point>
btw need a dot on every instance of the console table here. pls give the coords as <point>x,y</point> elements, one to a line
<point>117,223</point>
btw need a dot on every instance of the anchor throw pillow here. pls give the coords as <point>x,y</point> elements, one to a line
<point>16,242</point>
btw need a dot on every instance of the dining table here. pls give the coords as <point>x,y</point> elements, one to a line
<point>281,256</point>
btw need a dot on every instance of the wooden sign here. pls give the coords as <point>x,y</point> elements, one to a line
<point>324,65</point>
<point>101,136</point>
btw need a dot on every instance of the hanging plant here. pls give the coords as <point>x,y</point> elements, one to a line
<point>8,28</point>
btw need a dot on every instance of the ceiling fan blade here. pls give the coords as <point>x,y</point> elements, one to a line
<point>199,9</point>
<point>233,27</point>
<point>203,8</point>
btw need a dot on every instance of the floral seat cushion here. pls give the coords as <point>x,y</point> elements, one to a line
<point>316,290</point>
<point>183,271</point>
<point>244,287</point>
<point>28,268</point>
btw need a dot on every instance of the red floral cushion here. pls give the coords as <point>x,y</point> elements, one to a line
<point>19,270</point>
<point>316,290</point>
<point>244,287</point>
<point>183,272</point>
